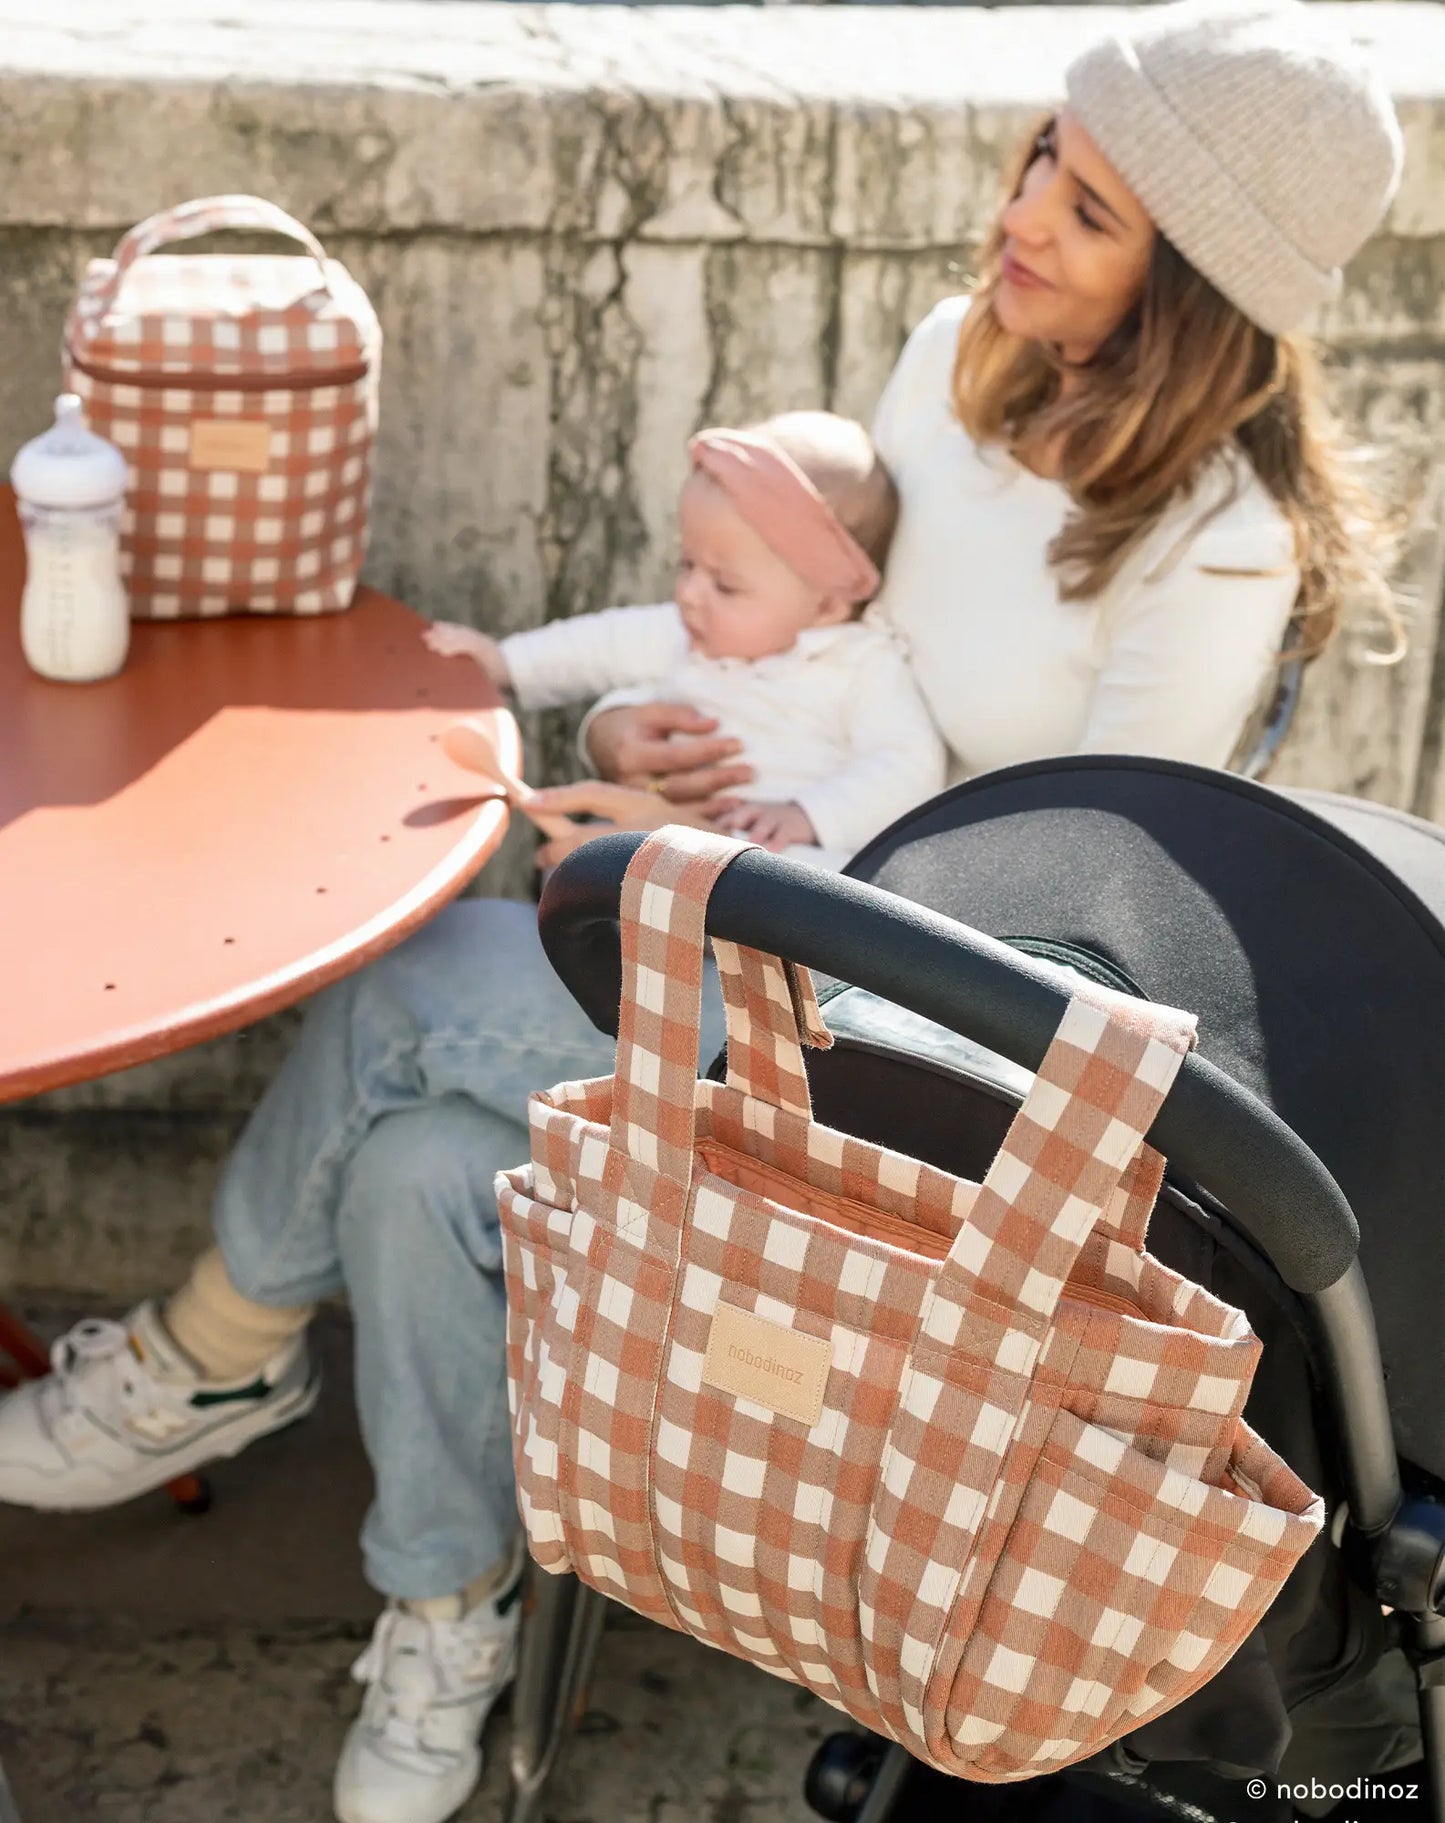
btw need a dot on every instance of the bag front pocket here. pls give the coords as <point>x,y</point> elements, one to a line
<point>761,1509</point>
<point>1122,1587</point>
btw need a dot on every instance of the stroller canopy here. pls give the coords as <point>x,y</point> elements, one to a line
<point>1308,933</point>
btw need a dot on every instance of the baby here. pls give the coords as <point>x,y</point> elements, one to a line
<point>785,529</point>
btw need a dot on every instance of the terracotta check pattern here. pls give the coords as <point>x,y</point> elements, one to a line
<point>1029,1516</point>
<point>282,355</point>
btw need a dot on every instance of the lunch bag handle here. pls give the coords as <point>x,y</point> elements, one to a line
<point>208,215</point>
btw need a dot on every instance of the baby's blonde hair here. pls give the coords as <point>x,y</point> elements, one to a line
<point>838,457</point>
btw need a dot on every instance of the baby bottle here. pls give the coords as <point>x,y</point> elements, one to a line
<point>70,484</point>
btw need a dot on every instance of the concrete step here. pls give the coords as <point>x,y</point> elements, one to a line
<point>103,1206</point>
<point>105,1188</point>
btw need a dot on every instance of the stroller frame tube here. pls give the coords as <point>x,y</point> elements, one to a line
<point>1349,1349</point>
<point>1427,1643</point>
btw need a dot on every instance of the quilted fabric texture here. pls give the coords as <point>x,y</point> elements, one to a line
<point>242,390</point>
<point>1023,1515</point>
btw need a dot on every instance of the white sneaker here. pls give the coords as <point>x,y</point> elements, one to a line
<point>413,1754</point>
<point>124,1411</point>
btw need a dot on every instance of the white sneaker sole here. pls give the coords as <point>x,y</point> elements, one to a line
<point>429,1801</point>
<point>46,1494</point>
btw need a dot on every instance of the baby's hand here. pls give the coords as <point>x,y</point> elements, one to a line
<point>448,639</point>
<point>774,826</point>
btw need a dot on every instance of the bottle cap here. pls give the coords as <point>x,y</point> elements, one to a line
<point>68,465</point>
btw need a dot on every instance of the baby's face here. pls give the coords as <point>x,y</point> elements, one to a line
<point>738,598</point>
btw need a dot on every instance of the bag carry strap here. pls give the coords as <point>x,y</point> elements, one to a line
<point>770,1004</point>
<point>772,1012</point>
<point>1127,1215</point>
<point>209,215</point>
<point>1072,1152</point>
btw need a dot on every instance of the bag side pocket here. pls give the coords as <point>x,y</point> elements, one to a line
<point>1122,1587</point>
<point>538,1297</point>
<point>938,1489</point>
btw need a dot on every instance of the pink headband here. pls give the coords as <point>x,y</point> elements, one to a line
<point>787,512</point>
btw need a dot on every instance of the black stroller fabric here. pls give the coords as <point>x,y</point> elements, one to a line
<point>1309,935</point>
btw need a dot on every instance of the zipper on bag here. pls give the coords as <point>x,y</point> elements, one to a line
<point>308,381</point>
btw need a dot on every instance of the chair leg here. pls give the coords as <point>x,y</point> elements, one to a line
<point>23,1356</point>
<point>8,1812</point>
<point>26,1351</point>
<point>884,1792</point>
<point>562,1624</point>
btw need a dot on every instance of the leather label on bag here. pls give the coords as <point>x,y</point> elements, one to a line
<point>241,444</point>
<point>768,1363</point>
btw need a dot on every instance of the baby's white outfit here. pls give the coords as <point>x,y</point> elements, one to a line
<point>835,724</point>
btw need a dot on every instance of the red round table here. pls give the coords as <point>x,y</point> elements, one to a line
<point>252,808</point>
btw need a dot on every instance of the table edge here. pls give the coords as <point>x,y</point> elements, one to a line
<point>284,986</point>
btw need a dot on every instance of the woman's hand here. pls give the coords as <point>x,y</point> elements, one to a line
<point>674,750</point>
<point>619,806</point>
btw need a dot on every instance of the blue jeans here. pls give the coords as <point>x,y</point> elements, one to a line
<point>368,1168</point>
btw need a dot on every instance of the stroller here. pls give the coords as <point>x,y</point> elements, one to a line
<point>1308,932</point>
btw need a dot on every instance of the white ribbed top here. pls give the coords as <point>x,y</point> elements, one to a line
<point>1169,662</point>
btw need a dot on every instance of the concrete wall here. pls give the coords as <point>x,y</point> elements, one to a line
<point>588,230</point>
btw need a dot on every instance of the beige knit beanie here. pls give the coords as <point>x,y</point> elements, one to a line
<point>1258,138</point>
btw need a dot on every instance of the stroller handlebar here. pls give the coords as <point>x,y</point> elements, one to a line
<point>1210,1128</point>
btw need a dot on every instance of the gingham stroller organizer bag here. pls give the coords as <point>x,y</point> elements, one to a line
<point>962,1460</point>
<point>242,390</point>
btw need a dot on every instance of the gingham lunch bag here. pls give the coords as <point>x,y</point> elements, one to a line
<point>242,390</point>
<point>963,1460</point>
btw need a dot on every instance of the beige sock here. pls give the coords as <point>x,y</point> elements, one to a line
<point>491,1582</point>
<point>225,1334</point>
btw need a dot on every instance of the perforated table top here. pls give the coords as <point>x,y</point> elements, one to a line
<point>253,807</point>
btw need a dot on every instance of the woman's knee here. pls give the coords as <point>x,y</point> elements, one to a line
<point>470,983</point>
<point>418,1194</point>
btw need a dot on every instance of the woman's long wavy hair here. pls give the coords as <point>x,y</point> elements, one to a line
<point>1184,375</point>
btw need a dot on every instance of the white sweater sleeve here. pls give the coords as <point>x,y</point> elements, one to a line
<point>1190,650</point>
<point>897,757</point>
<point>588,655</point>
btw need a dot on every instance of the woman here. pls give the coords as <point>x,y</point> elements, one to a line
<point>1119,483</point>
<point>1117,487</point>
